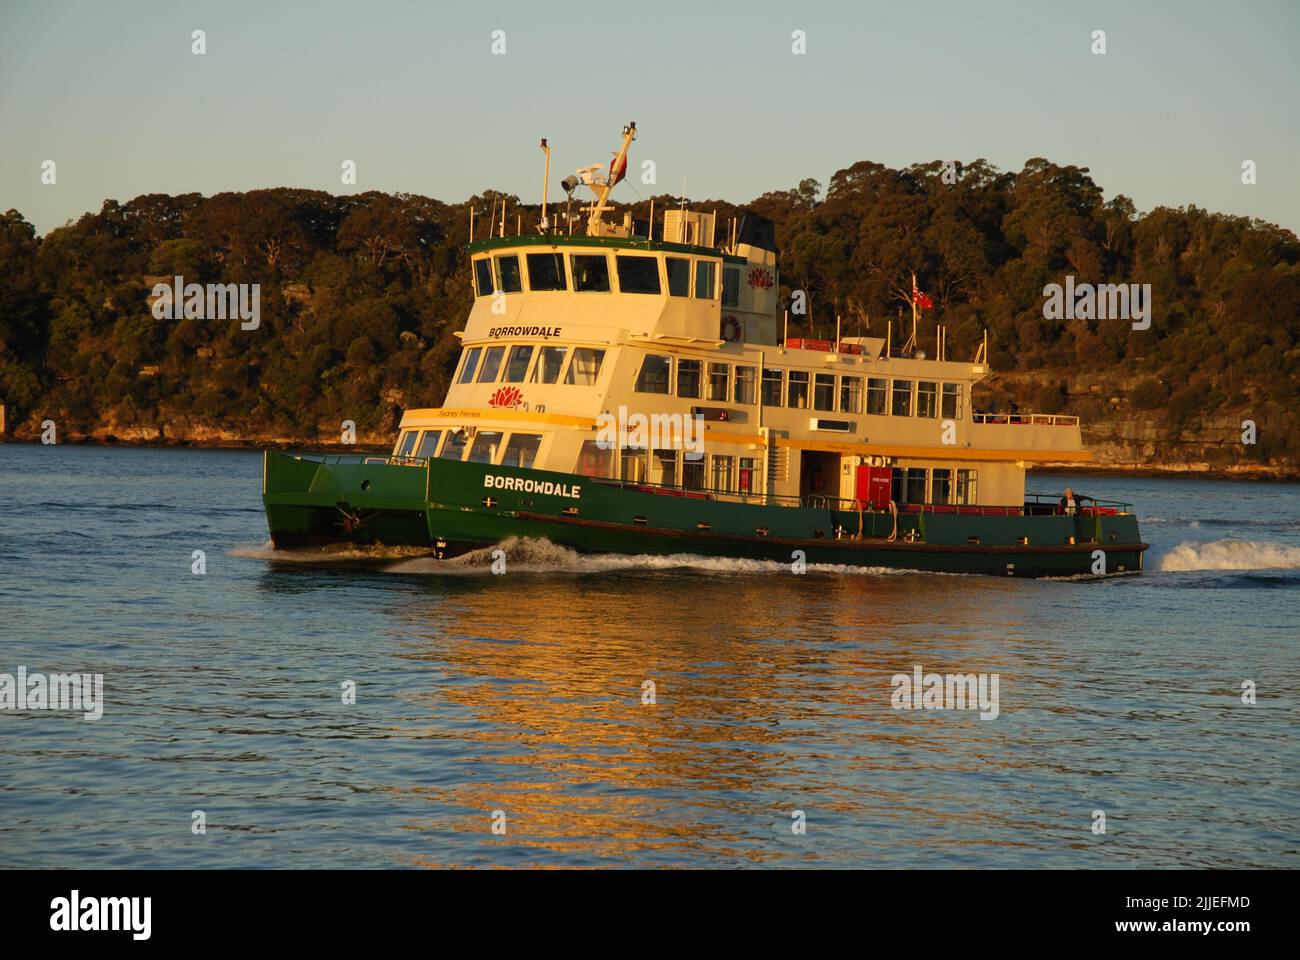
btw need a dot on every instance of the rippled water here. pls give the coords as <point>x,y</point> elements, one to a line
<point>523,694</point>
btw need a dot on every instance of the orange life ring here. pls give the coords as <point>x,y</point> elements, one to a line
<point>731,330</point>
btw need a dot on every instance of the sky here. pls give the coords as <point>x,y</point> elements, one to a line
<point>414,95</point>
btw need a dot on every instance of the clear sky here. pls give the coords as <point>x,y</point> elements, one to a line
<point>412,92</point>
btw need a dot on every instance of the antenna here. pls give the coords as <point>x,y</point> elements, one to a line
<point>546,179</point>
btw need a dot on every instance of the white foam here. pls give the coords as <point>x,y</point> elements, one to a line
<point>1231,555</point>
<point>533,555</point>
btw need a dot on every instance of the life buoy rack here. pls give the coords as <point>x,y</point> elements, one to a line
<point>731,330</point>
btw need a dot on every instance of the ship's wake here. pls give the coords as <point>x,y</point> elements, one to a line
<point>1230,554</point>
<point>538,555</point>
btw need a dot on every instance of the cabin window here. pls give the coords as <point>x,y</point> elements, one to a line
<point>824,391</point>
<point>950,401</point>
<point>719,374</point>
<point>453,448</point>
<point>550,361</point>
<point>517,365</point>
<point>406,443</point>
<point>967,489</point>
<point>508,273</point>
<point>902,406</point>
<point>772,383</point>
<point>850,394</point>
<point>916,484</point>
<point>706,272</point>
<point>692,473</point>
<point>877,400</point>
<point>590,272</point>
<point>521,451</point>
<point>428,444</point>
<point>747,473</point>
<point>638,274</point>
<point>665,465</point>
<point>483,277</point>
<point>654,375</point>
<point>470,365</point>
<point>491,365</point>
<point>744,391</point>
<point>632,462</point>
<point>594,459</point>
<point>940,485</point>
<point>546,271</point>
<point>796,393</point>
<point>721,479</point>
<point>730,287</point>
<point>484,450</point>
<point>926,399</point>
<point>584,368</point>
<point>679,276</point>
<point>688,379</point>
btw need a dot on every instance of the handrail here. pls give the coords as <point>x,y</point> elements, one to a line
<point>1026,419</point>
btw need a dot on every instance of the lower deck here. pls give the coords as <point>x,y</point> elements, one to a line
<point>452,507</point>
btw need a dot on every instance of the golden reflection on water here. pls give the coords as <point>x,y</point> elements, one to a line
<point>769,688</point>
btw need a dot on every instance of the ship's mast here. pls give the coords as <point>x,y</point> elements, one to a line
<point>617,167</point>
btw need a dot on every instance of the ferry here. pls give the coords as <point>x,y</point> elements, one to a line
<point>629,387</point>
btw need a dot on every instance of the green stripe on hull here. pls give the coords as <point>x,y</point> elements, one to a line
<point>451,507</point>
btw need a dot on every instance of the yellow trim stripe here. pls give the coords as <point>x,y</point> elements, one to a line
<point>430,416</point>
<point>935,453</point>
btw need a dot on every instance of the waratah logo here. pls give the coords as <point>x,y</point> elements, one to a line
<point>758,277</point>
<point>506,397</point>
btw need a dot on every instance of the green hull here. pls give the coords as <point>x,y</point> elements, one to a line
<point>452,507</point>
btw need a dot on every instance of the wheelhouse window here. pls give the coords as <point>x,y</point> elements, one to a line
<point>406,443</point>
<point>428,444</point>
<point>491,365</point>
<point>550,361</point>
<point>772,383</point>
<point>967,489</point>
<point>744,389</point>
<point>486,444</point>
<point>850,394</point>
<point>470,365</point>
<point>877,396</point>
<point>719,375</point>
<point>655,374</point>
<point>902,405</point>
<point>940,485</point>
<point>584,368</point>
<point>517,365</point>
<point>521,451</point>
<point>688,379</point>
<point>679,276</point>
<point>950,401</point>
<point>453,448</point>
<point>545,271</point>
<point>796,393</point>
<point>927,399</point>
<point>483,277</point>
<point>706,275</point>
<point>638,274</point>
<point>508,272</point>
<point>824,391</point>
<point>590,272</point>
<point>730,286</point>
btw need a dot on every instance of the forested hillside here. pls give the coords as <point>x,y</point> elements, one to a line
<point>360,296</point>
